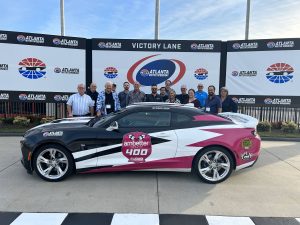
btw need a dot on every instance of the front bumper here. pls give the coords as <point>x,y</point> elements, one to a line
<point>26,157</point>
<point>246,165</point>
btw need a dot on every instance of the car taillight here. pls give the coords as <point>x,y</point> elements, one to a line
<point>29,156</point>
<point>254,132</point>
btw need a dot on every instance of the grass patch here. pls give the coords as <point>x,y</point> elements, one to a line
<point>10,128</point>
<point>279,134</point>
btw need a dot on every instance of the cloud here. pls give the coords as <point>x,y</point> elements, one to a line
<point>193,19</point>
<point>275,19</point>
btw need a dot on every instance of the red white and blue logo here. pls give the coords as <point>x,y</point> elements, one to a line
<point>156,71</point>
<point>32,68</point>
<point>201,74</point>
<point>280,73</point>
<point>22,97</point>
<point>111,72</point>
<point>21,38</point>
<point>57,70</point>
<point>56,41</point>
<point>236,46</point>
<point>268,101</point>
<point>235,73</point>
<point>271,44</point>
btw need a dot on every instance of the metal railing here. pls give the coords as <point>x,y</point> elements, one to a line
<point>58,110</point>
<point>38,109</point>
<point>272,114</point>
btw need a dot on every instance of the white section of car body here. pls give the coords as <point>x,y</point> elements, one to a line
<point>241,119</point>
<point>245,165</point>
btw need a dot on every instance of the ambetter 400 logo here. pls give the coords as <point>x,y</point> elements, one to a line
<point>136,146</point>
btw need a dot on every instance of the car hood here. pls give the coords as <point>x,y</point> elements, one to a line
<point>60,124</point>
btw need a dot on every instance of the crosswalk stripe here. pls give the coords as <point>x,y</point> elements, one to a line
<point>227,220</point>
<point>14,218</point>
<point>135,219</point>
<point>40,219</point>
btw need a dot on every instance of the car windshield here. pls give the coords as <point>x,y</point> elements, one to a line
<point>98,121</point>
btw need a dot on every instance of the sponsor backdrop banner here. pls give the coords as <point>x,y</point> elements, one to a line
<point>37,67</point>
<point>264,72</point>
<point>153,62</point>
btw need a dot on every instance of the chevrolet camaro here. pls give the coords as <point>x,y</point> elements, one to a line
<point>144,136</point>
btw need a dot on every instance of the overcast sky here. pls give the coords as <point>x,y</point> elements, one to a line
<point>134,19</point>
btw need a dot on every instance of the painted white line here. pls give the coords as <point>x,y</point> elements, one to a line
<point>40,219</point>
<point>298,219</point>
<point>135,219</point>
<point>226,220</point>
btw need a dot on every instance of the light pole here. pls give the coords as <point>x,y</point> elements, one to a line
<point>157,9</point>
<point>62,18</point>
<point>247,20</point>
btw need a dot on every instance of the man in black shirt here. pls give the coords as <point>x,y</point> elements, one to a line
<point>93,94</point>
<point>183,97</point>
<point>163,94</point>
<point>123,94</point>
<point>109,101</point>
<point>153,97</point>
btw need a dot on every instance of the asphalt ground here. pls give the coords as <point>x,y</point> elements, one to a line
<point>271,188</point>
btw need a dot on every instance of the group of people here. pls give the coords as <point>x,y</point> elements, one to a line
<point>91,102</point>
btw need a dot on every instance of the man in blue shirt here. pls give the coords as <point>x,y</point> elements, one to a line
<point>213,103</point>
<point>201,95</point>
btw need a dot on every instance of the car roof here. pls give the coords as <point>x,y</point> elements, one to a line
<point>163,106</point>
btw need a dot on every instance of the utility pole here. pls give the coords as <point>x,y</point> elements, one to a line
<point>247,20</point>
<point>157,12</point>
<point>62,18</point>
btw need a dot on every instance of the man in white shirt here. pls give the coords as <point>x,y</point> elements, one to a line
<point>80,104</point>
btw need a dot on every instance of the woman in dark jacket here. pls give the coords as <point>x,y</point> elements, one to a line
<point>192,98</point>
<point>228,105</point>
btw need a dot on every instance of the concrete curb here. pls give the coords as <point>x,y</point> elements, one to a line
<point>280,139</point>
<point>11,134</point>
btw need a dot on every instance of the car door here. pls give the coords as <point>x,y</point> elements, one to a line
<point>143,139</point>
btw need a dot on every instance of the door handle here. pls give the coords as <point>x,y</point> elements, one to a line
<point>163,135</point>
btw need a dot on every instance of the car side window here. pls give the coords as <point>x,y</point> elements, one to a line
<point>146,119</point>
<point>180,119</point>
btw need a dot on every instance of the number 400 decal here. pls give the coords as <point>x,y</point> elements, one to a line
<point>136,146</point>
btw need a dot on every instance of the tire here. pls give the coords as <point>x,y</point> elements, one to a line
<point>210,169</point>
<point>53,163</point>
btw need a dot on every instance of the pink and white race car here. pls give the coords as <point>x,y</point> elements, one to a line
<point>146,136</point>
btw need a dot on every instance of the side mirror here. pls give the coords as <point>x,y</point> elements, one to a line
<point>113,126</point>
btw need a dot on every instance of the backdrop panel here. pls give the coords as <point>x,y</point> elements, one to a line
<point>153,62</point>
<point>36,67</point>
<point>264,72</point>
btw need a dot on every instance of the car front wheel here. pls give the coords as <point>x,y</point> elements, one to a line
<point>213,165</point>
<point>53,163</point>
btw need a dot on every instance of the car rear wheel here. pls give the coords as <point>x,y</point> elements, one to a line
<point>213,165</point>
<point>53,163</point>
